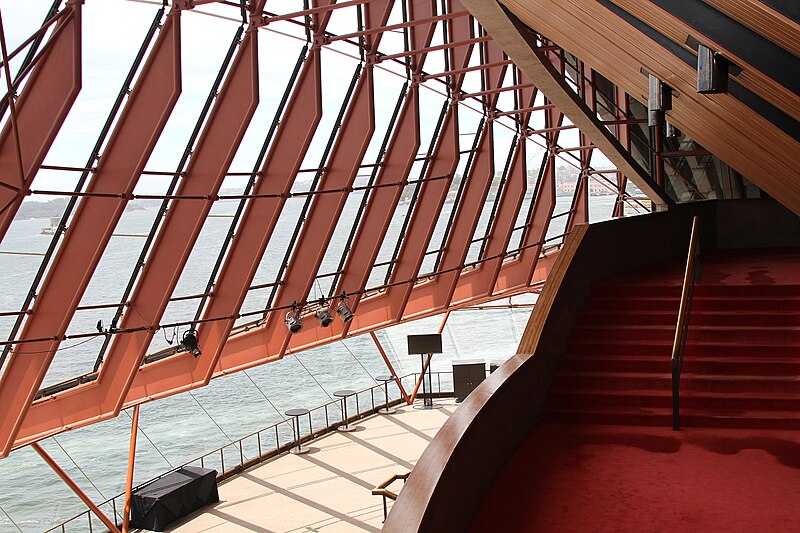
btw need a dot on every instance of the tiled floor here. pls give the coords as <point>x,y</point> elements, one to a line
<point>328,489</point>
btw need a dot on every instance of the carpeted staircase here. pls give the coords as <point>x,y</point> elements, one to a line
<point>742,361</point>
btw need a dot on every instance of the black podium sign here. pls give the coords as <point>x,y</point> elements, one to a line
<point>157,505</point>
<point>419,344</point>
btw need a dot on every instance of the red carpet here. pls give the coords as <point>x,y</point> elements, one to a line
<point>742,359</point>
<point>605,457</point>
<point>576,478</point>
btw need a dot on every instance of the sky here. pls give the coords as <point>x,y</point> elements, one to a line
<point>114,29</point>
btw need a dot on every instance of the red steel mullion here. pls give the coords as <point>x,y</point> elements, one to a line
<point>446,46</point>
<point>518,273</point>
<point>41,109</point>
<point>497,91</point>
<point>432,194</point>
<point>469,209</point>
<point>352,140</point>
<point>409,24</point>
<point>484,66</point>
<point>545,203</point>
<point>126,154</point>
<point>351,145</point>
<point>579,213</point>
<point>319,10</point>
<point>226,125</point>
<point>511,201</point>
<point>382,203</point>
<point>292,139</point>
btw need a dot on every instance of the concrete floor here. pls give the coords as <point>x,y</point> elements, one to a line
<point>329,488</point>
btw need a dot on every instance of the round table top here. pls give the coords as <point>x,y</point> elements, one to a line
<point>344,393</point>
<point>384,378</point>
<point>297,412</point>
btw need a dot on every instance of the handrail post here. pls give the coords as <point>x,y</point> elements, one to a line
<point>690,276</point>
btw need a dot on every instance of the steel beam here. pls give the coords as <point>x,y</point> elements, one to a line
<point>289,147</point>
<point>396,166</point>
<point>438,294</point>
<point>180,229</point>
<point>432,194</point>
<point>520,271</point>
<point>42,107</point>
<point>352,141</point>
<point>118,171</point>
<point>481,281</point>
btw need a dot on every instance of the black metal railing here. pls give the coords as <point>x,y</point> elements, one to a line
<point>690,277</point>
<point>261,445</point>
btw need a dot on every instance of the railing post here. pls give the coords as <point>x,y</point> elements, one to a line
<point>676,376</point>
<point>690,277</point>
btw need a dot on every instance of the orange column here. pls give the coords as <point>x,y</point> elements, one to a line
<point>126,517</point>
<point>75,488</point>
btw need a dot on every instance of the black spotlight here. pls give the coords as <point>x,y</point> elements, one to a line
<point>344,311</point>
<point>189,342</point>
<point>323,315</point>
<point>293,321</point>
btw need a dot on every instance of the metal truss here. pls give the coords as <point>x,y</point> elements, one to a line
<point>482,249</point>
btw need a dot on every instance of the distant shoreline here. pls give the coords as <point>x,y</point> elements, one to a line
<point>55,209</point>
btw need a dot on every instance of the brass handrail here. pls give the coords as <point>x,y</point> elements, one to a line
<point>382,490</point>
<point>690,277</point>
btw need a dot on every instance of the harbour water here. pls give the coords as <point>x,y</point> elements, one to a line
<point>179,428</point>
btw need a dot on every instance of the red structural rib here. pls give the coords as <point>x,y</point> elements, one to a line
<point>213,154</point>
<point>480,281</point>
<point>289,147</point>
<point>343,163</point>
<point>432,193</point>
<point>41,108</point>
<point>382,203</point>
<point>135,135</point>
<point>478,180</point>
<point>521,270</point>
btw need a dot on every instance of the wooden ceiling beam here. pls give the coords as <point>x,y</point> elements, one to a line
<point>519,45</point>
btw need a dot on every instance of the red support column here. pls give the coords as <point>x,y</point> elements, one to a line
<point>292,139</point>
<point>126,154</point>
<point>75,488</point>
<point>352,141</point>
<point>390,367</point>
<point>520,272</point>
<point>180,229</point>
<point>434,295</point>
<point>481,281</point>
<point>40,111</point>
<point>126,513</point>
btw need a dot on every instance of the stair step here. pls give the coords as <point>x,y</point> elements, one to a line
<point>699,303</point>
<point>595,398</point>
<point>663,348</point>
<point>688,418</point>
<point>753,366</point>
<point>698,318</point>
<point>672,288</point>
<point>578,381</point>
<point>731,333</point>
